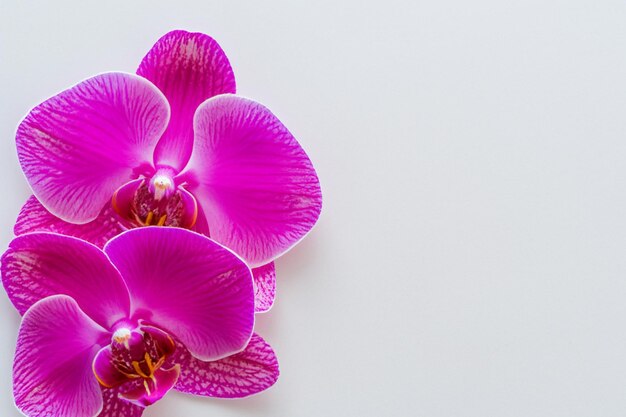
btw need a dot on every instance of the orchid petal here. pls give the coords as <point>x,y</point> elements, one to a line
<point>34,217</point>
<point>79,146</point>
<point>188,68</point>
<point>264,278</point>
<point>39,265</point>
<point>114,406</point>
<point>256,185</point>
<point>52,368</point>
<point>246,373</point>
<point>188,285</point>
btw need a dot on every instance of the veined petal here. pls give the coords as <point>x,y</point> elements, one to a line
<point>246,373</point>
<point>79,146</point>
<point>256,185</point>
<point>188,285</point>
<point>188,68</point>
<point>114,406</point>
<point>52,368</point>
<point>264,278</point>
<point>34,217</point>
<point>39,265</point>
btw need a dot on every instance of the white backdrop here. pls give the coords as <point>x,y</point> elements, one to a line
<point>469,260</point>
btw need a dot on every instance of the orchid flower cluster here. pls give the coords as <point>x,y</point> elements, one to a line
<point>160,201</point>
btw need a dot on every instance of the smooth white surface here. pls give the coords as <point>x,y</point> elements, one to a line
<point>470,257</point>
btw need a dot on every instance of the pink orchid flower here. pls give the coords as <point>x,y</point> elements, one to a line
<point>107,333</point>
<point>171,146</point>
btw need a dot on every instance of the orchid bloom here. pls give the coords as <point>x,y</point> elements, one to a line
<point>171,146</point>
<point>107,333</point>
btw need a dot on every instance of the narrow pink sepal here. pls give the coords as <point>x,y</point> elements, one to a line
<point>188,68</point>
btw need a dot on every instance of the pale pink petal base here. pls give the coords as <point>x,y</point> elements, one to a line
<point>117,407</point>
<point>246,373</point>
<point>256,185</point>
<point>52,368</point>
<point>34,217</point>
<point>264,279</point>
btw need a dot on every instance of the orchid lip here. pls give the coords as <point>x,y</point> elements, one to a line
<point>158,201</point>
<point>134,359</point>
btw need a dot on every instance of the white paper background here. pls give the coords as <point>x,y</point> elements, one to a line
<point>470,257</point>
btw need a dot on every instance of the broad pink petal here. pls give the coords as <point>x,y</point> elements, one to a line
<point>246,373</point>
<point>34,217</point>
<point>52,368</point>
<point>188,68</point>
<point>39,265</point>
<point>163,381</point>
<point>256,185</point>
<point>79,146</point>
<point>118,407</point>
<point>188,285</point>
<point>264,278</point>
